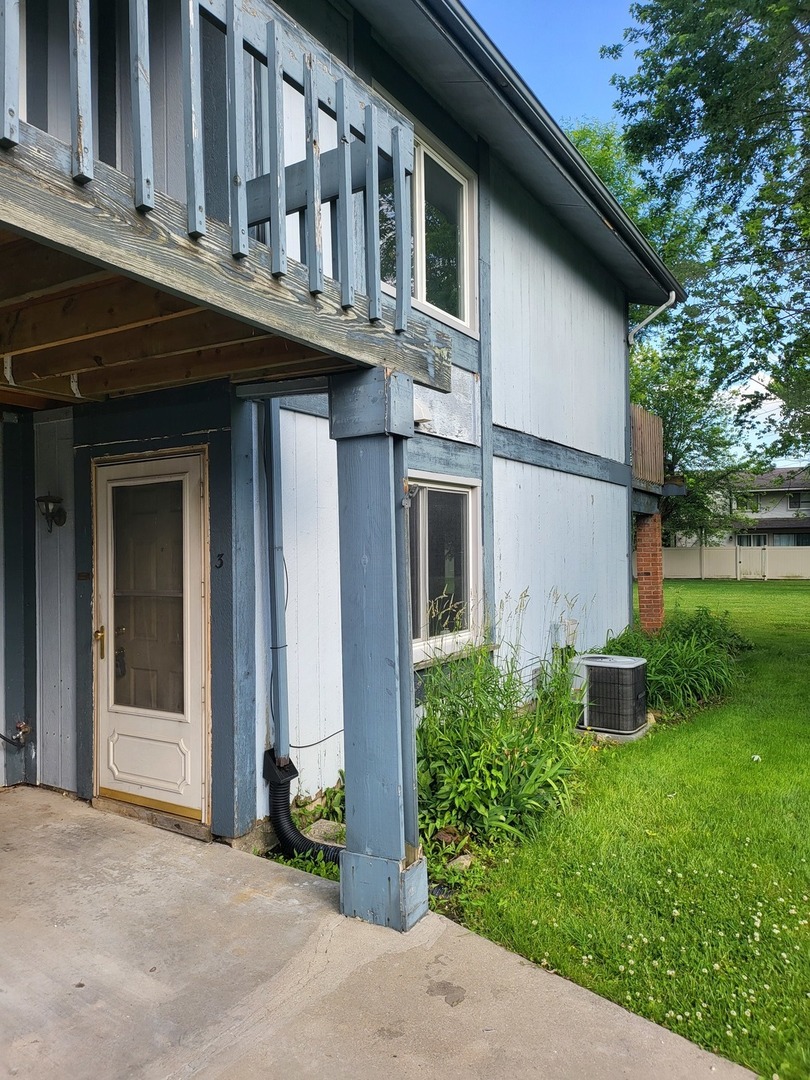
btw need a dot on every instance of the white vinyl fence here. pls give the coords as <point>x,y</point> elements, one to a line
<point>744,564</point>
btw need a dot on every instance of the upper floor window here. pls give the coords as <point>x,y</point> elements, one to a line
<point>443,240</point>
<point>747,500</point>
<point>799,500</point>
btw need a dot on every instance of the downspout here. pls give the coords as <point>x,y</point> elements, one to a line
<point>658,311</point>
<point>279,771</point>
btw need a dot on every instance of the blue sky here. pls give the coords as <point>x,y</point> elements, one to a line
<point>555,47</point>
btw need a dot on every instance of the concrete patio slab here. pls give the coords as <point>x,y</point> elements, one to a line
<point>130,952</point>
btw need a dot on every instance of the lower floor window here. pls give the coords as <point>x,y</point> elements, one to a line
<point>444,559</point>
<point>751,540</point>
<point>791,539</point>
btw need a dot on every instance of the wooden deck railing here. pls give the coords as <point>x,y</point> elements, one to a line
<point>648,446</point>
<point>374,143</point>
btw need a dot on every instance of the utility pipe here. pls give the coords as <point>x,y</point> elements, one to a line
<point>636,329</point>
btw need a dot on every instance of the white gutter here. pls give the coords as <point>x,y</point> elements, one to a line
<point>636,329</point>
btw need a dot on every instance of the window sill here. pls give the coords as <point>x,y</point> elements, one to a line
<point>436,313</point>
<point>446,647</point>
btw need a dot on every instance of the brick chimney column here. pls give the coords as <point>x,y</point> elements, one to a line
<point>650,571</point>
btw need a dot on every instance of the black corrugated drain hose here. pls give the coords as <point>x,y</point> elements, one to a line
<point>292,840</point>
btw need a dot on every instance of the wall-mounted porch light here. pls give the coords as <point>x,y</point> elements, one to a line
<point>50,506</point>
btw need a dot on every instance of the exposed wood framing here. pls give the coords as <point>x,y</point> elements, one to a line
<point>69,332</point>
<point>187,333</point>
<point>29,271</point>
<point>87,312</point>
<point>39,199</point>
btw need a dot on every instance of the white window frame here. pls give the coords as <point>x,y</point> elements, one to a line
<point>424,143</point>
<point>468,262</point>
<point>428,649</point>
<point>802,500</point>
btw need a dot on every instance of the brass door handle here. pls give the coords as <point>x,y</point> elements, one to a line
<point>100,636</point>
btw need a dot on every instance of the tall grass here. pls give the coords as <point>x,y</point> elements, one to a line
<point>491,757</point>
<point>691,661</point>
<point>678,884</point>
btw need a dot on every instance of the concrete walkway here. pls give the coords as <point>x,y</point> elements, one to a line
<point>129,952</point>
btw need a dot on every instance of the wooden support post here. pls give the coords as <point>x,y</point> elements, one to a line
<point>383,876</point>
<point>233,602</point>
<point>141,105</point>
<point>373,216</point>
<point>275,129</point>
<point>192,118</point>
<point>345,217</point>
<point>236,130</point>
<point>81,98</point>
<point>10,72</point>
<point>314,229</point>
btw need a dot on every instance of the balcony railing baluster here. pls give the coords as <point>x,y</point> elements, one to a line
<point>192,118</point>
<point>236,130</point>
<point>314,226</point>
<point>345,223</point>
<point>10,72</point>
<point>373,215</point>
<point>275,129</point>
<point>81,96</point>
<point>142,149</point>
<point>401,141</point>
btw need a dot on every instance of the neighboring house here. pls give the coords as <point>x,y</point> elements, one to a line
<point>774,511</point>
<point>211,224</point>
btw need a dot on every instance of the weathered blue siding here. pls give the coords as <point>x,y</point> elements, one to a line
<point>558,330</point>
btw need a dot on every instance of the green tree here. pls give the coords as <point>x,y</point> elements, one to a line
<point>719,112</point>
<point>701,442</point>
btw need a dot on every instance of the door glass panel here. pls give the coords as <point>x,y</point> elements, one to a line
<point>147,633</point>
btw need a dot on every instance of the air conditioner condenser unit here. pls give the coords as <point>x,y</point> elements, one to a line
<point>614,692</point>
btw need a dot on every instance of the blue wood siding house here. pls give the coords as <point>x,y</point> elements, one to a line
<point>313,329</point>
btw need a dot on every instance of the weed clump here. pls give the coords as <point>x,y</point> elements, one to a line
<point>691,661</point>
<point>492,754</point>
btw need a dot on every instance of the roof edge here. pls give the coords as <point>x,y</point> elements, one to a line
<point>505,81</point>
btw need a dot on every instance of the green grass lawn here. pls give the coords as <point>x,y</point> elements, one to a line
<point>678,883</point>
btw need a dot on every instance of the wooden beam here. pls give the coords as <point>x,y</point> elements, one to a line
<point>25,399</point>
<point>29,271</point>
<point>197,366</point>
<point>260,189</point>
<point>38,199</point>
<point>92,311</point>
<point>188,332</point>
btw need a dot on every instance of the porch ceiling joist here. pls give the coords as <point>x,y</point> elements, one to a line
<point>25,399</point>
<point>30,271</point>
<point>269,355</point>
<point>87,312</point>
<point>195,330</point>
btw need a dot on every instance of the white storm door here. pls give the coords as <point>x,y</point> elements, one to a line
<point>149,635</point>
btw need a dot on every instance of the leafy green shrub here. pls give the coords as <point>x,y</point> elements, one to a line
<point>334,799</point>
<point>691,660</point>
<point>489,762</point>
